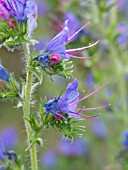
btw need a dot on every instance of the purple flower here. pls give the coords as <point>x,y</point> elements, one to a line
<point>79,147</point>
<point>10,155</point>
<point>19,9</point>
<point>67,103</point>
<point>74,24</point>
<point>2,150</point>
<point>99,128</point>
<point>122,5</point>
<point>4,75</point>
<point>49,159</point>
<point>43,8</point>
<point>9,137</point>
<point>125,138</point>
<point>41,44</point>
<point>57,46</point>
<point>122,30</point>
<point>89,80</point>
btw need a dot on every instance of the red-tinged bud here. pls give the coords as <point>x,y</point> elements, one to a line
<point>11,23</point>
<point>54,59</point>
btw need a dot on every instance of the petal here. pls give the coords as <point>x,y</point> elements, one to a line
<point>57,44</point>
<point>31,8</point>
<point>97,108</point>
<point>86,96</point>
<point>32,24</point>
<point>63,104</point>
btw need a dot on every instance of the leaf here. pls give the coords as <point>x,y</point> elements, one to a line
<point>38,141</point>
<point>37,72</point>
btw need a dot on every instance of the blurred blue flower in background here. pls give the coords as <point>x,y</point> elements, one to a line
<point>99,128</point>
<point>122,5</point>
<point>2,150</point>
<point>43,8</point>
<point>123,34</point>
<point>125,138</point>
<point>42,43</point>
<point>74,24</point>
<point>20,10</point>
<point>49,159</point>
<point>9,137</point>
<point>78,147</point>
<point>89,80</point>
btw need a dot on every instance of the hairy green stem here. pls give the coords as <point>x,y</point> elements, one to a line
<point>26,110</point>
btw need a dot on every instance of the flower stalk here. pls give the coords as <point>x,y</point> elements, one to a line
<point>26,110</point>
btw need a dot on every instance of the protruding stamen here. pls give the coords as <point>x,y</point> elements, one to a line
<point>70,38</point>
<point>79,50</point>
<point>85,97</point>
<point>85,116</point>
<point>81,58</point>
<point>97,108</point>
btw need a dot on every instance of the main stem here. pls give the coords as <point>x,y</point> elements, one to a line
<point>26,110</point>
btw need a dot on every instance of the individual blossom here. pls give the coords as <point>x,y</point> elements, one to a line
<point>122,5</point>
<point>9,133</point>
<point>123,35</point>
<point>49,159</point>
<point>99,128</point>
<point>66,105</point>
<point>56,48</point>
<point>79,147</point>
<point>125,139</point>
<point>6,155</point>
<point>89,80</point>
<point>17,22</point>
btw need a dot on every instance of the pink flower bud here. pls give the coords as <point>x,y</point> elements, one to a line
<point>54,59</point>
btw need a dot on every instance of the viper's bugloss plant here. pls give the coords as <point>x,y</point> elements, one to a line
<point>17,22</point>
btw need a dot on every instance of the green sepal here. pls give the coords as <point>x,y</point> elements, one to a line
<point>67,126</point>
<point>63,68</point>
<point>9,90</point>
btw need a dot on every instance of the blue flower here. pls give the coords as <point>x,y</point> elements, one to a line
<point>125,138</point>
<point>78,147</point>
<point>89,80</point>
<point>9,137</point>
<point>67,103</point>
<point>99,128</point>
<point>49,159</point>
<point>123,37</point>
<point>19,9</point>
<point>57,47</point>
<point>2,150</point>
<point>122,5</point>
<point>11,155</point>
<point>4,75</point>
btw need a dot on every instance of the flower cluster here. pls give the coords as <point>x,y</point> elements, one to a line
<point>17,21</point>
